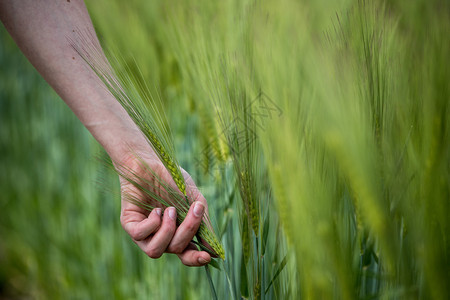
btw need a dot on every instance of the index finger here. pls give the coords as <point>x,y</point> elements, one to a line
<point>187,229</point>
<point>139,227</point>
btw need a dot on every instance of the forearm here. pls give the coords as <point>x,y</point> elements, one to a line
<point>41,30</point>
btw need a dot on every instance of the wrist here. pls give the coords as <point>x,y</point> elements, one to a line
<point>128,145</point>
<point>119,136</point>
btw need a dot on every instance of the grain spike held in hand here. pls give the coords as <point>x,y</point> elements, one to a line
<point>134,96</point>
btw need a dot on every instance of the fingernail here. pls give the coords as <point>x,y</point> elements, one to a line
<point>172,213</point>
<point>202,261</point>
<point>198,209</point>
<point>158,211</point>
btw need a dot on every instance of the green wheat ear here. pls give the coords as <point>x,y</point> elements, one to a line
<point>171,166</point>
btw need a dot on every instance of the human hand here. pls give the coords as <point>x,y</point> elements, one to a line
<point>157,232</point>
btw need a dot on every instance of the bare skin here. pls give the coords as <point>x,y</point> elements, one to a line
<point>41,30</point>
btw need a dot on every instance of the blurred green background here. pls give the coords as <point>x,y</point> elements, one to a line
<point>356,170</point>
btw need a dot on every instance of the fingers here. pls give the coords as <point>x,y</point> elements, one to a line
<point>157,233</point>
<point>191,257</point>
<point>167,237</point>
<point>187,229</point>
<point>142,227</point>
<point>155,246</point>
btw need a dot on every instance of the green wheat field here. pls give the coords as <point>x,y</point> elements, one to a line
<point>318,131</point>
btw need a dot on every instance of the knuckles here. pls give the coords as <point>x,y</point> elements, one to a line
<point>137,232</point>
<point>168,228</point>
<point>176,248</point>
<point>123,221</point>
<point>191,226</point>
<point>154,253</point>
<point>136,235</point>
